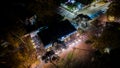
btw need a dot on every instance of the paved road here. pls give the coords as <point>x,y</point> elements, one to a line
<point>89,10</point>
<point>80,51</point>
<point>93,9</point>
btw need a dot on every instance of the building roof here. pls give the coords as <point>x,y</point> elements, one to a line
<point>56,31</point>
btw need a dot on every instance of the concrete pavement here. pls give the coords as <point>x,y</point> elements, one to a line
<point>93,9</point>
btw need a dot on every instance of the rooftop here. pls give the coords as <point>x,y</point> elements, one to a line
<point>55,31</point>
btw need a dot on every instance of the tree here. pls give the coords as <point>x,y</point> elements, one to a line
<point>20,52</point>
<point>22,56</point>
<point>114,9</point>
<point>109,37</point>
<point>43,9</point>
<point>14,34</point>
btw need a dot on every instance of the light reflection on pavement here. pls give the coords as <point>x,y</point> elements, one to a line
<point>80,50</point>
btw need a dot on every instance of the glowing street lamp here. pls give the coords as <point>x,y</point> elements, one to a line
<point>107,50</point>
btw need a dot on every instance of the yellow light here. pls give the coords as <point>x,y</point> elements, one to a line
<point>111,18</point>
<point>32,41</point>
